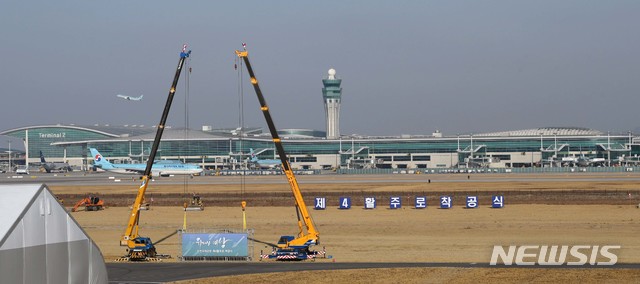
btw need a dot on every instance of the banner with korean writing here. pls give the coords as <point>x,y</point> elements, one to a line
<point>214,245</point>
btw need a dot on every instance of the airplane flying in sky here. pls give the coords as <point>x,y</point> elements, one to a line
<point>264,164</point>
<point>129,98</point>
<point>54,167</point>
<point>159,168</point>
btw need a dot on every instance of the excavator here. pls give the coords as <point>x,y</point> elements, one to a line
<point>142,248</point>
<point>195,204</point>
<point>91,203</point>
<point>288,248</point>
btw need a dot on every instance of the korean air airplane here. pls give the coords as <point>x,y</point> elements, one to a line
<point>159,168</point>
<point>264,164</point>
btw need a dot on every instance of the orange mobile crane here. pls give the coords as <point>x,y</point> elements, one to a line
<point>141,248</point>
<point>288,247</point>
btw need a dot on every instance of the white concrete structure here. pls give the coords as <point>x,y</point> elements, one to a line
<point>332,95</point>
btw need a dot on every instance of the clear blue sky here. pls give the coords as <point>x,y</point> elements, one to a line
<point>408,67</point>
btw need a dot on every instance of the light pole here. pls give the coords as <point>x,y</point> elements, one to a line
<point>471,145</point>
<point>541,152</point>
<point>608,149</point>
<point>555,147</point>
<point>470,149</point>
<point>629,143</point>
<point>555,144</point>
<point>353,151</point>
<point>541,142</point>
<point>10,167</point>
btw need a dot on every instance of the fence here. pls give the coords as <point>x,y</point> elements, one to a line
<point>491,170</point>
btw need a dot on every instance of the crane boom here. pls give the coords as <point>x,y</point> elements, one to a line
<point>140,248</point>
<point>311,236</point>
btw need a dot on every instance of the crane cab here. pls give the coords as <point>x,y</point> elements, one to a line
<point>283,242</point>
<point>141,248</point>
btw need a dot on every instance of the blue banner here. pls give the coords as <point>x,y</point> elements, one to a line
<point>421,202</point>
<point>345,203</point>
<point>321,203</point>
<point>445,202</point>
<point>214,245</point>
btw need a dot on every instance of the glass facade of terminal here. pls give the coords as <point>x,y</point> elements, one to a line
<point>41,138</point>
<point>73,142</point>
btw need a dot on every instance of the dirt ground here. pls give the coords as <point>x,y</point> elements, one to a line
<point>437,275</point>
<point>385,235</point>
<point>401,235</point>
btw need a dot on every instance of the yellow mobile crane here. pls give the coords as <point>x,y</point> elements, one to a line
<point>141,248</point>
<point>288,247</point>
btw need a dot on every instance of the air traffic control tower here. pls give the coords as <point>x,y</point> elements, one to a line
<point>332,93</point>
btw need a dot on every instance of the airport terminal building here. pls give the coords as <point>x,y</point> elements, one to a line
<point>327,150</point>
<point>311,149</point>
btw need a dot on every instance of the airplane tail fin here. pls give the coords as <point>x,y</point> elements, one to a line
<point>44,164</point>
<point>253,155</point>
<point>98,160</point>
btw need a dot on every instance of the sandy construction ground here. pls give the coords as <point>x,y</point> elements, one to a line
<point>401,235</point>
<point>437,275</point>
<point>385,235</point>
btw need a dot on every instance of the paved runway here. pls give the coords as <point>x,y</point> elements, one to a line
<point>168,272</point>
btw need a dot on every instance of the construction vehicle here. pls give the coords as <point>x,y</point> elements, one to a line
<point>142,248</point>
<point>144,205</point>
<point>196,204</point>
<point>288,247</point>
<point>91,203</point>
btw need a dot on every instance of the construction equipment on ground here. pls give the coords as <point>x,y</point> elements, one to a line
<point>288,247</point>
<point>141,248</point>
<point>144,205</point>
<point>195,204</point>
<point>91,203</point>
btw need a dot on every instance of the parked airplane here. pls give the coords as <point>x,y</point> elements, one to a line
<point>583,161</point>
<point>159,168</point>
<point>54,167</point>
<point>129,98</point>
<point>264,164</point>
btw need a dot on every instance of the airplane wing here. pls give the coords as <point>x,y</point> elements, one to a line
<point>133,170</point>
<point>155,173</point>
<point>121,168</point>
